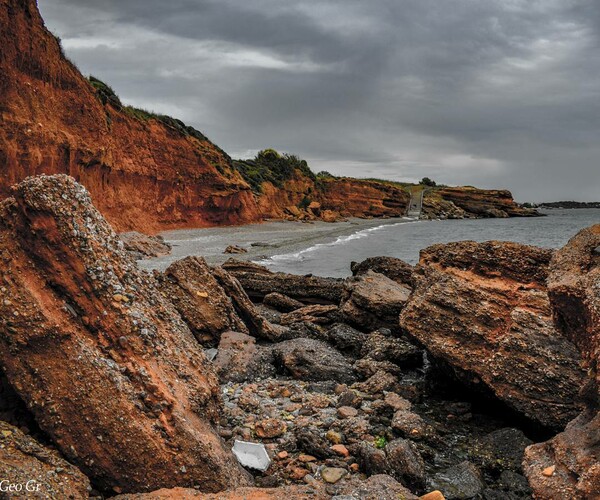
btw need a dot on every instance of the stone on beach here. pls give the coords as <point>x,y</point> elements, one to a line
<point>372,300</point>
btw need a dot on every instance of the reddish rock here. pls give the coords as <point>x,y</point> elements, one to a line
<point>395,269</point>
<point>143,246</point>
<point>282,302</point>
<point>239,358</point>
<point>39,472</point>
<point>317,313</point>
<point>258,325</point>
<point>481,202</point>
<point>568,465</point>
<point>484,309</point>
<point>270,428</point>
<point>121,386</point>
<point>372,300</point>
<point>201,301</point>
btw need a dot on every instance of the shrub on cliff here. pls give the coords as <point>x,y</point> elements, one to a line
<point>270,166</point>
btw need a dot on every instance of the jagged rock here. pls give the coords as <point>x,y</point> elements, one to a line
<point>436,208</point>
<point>346,339</point>
<point>200,299</point>
<point>256,323</point>
<point>395,269</point>
<point>378,383</point>
<point>483,308</point>
<point>381,346</point>
<point>367,367</point>
<point>317,314</point>
<point>405,463</point>
<point>282,302</point>
<point>311,442</point>
<point>239,359</point>
<point>235,249</point>
<point>37,471</point>
<point>515,484</point>
<point>104,362</point>
<point>143,246</point>
<point>258,281</point>
<point>308,359</point>
<point>372,301</point>
<point>574,289</point>
<point>409,424</point>
<point>460,482</point>
<point>371,460</point>
<point>501,450</point>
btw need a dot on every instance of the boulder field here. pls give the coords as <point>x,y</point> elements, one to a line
<point>430,382</point>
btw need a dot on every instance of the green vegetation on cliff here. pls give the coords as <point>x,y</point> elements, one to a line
<point>270,166</point>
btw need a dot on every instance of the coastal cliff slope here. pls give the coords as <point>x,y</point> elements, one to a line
<point>150,172</point>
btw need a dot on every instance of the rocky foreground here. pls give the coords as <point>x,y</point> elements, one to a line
<point>432,381</point>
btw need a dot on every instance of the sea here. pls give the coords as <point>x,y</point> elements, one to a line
<point>325,249</point>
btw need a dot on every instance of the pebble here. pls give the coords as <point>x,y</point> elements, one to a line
<point>347,412</point>
<point>333,437</point>
<point>434,495</point>
<point>549,471</point>
<point>341,450</point>
<point>333,474</point>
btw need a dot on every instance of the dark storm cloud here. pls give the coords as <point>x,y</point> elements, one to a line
<point>496,93</point>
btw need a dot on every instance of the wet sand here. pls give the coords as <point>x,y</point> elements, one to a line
<point>261,240</point>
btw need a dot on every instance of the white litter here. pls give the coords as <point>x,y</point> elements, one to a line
<point>251,455</point>
<point>211,354</point>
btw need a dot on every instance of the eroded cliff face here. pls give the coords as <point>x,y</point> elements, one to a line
<point>358,198</point>
<point>143,172</point>
<point>469,202</point>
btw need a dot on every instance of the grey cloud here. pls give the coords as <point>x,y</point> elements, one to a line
<point>497,93</point>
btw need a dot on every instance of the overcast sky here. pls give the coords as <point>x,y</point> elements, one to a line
<point>492,93</point>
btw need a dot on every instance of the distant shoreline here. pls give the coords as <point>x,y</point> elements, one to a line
<point>570,204</point>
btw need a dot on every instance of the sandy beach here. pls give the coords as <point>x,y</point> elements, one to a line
<point>261,240</point>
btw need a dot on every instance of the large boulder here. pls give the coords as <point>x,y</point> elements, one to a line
<point>483,308</point>
<point>309,359</point>
<point>258,282</point>
<point>373,300</point>
<point>104,362</point>
<point>568,465</point>
<point>33,471</point>
<point>395,269</point>
<point>239,358</point>
<point>201,301</point>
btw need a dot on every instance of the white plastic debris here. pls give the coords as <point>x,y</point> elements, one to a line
<point>211,354</point>
<point>251,455</point>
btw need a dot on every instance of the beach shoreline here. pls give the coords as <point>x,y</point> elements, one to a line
<point>262,240</point>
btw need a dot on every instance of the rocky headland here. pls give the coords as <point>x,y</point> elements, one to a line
<point>434,381</point>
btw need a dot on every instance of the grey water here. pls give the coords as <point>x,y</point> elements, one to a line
<point>404,240</point>
<point>328,249</point>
